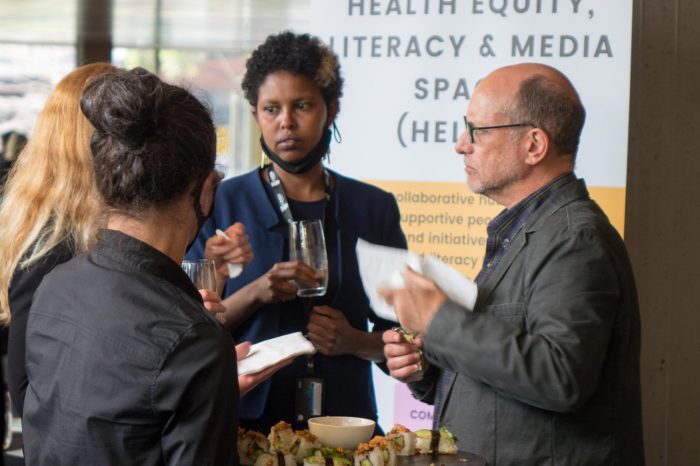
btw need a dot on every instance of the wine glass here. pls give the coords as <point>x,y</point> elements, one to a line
<point>307,244</point>
<point>202,272</point>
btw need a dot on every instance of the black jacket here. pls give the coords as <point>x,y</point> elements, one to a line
<point>125,366</point>
<point>24,283</point>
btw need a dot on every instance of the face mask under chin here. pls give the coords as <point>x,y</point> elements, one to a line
<point>309,161</point>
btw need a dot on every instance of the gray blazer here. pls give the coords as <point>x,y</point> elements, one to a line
<point>547,365</point>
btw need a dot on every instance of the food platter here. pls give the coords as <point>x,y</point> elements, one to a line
<point>462,458</point>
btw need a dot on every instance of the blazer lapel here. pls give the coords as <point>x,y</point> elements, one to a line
<point>269,218</point>
<point>516,245</point>
<point>571,192</point>
<point>341,238</point>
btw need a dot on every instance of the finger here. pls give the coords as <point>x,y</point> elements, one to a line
<point>212,301</point>
<point>248,382</point>
<point>304,273</point>
<point>284,290</point>
<point>209,295</point>
<point>404,372</point>
<point>398,362</point>
<point>388,295</point>
<point>236,229</point>
<point>238,255</point>
<point>419,341</point>
<point>396,350</point>
<point>416,280</point>
<point>321,320</point>
<point>242,350</point>
<point>294,270</point>
<point>215,241</point>
<point>319,332</point>
<point>326,311</point>
<point>322,346</point>
<point>214,307</point>
<point>391,336</point>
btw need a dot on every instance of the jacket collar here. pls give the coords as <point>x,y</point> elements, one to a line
<point>135,256</point>
<point>573,191</point>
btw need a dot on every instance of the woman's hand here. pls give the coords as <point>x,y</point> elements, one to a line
<point>232,250</point>
<point>330,332</point>
<point>278,283</point>
<point>213,304</point>
<point>247,382</point>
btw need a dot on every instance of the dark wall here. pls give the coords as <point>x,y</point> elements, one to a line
<point>662,227</point>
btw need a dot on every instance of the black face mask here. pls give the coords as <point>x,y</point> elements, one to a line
<point>305,164</point>
<point>201,217</point>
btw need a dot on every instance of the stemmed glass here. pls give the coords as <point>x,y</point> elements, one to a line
<point>307,244</point>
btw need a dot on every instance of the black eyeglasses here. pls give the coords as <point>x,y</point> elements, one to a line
<point>471,129</point>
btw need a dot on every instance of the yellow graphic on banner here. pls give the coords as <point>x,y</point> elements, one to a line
<point>221,140</point>
<point>449,222</point>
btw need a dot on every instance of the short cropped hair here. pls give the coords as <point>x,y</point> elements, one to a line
<point>543,103</point>
<point>301,54</point>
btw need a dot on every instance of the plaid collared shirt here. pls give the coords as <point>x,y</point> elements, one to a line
<point>501,231</point>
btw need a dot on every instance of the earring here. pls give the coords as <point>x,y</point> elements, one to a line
<point>336,133</point>
<point>264,160</point>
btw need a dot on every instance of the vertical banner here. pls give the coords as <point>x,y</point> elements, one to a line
<point>410,68</point>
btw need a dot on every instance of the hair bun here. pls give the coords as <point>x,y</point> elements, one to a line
<point>125,105</point>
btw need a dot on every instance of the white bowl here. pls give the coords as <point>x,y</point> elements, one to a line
<point>341,431</point>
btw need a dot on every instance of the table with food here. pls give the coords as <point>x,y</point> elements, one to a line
<point>345,441</point>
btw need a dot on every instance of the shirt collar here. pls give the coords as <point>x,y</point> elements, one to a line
<point>511,220</point>
<point>137,256</point>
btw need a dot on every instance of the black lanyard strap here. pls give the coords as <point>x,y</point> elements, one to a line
<point>281,196</point>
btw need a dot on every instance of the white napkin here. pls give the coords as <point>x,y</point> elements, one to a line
<point>269,352</point>
<point>383,267</point>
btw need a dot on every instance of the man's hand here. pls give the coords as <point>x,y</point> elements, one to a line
<point>402,358</point>
<point>416,304</point>
<point>247,382</point>
<point>330,332</point>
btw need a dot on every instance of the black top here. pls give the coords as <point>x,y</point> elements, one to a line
<point>125,366</point>
<point>24,283</point>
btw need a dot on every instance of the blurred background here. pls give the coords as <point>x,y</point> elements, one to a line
<point>202,44</point>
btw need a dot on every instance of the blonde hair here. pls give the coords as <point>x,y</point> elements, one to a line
<point>50,194</point>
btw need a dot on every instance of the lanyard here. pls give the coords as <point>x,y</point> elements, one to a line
<point>281,197</point>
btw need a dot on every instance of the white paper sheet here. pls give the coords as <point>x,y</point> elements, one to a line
<point>383,267</point>
<point>269,352</point>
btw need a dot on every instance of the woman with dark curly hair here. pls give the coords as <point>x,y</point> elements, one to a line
<point>293,85</point>
<point>124,363</point>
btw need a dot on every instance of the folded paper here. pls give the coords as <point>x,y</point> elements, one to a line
<point>269,352</point>
<point>383,267</point>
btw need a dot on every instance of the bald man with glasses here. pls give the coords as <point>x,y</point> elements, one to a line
<point>545,371</point>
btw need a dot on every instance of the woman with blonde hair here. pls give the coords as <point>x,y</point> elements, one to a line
<point>49,212</point>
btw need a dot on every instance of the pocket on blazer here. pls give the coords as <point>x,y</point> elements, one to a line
<point>510,312</point>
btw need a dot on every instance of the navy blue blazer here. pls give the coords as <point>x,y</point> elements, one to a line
<point>359,211</point>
